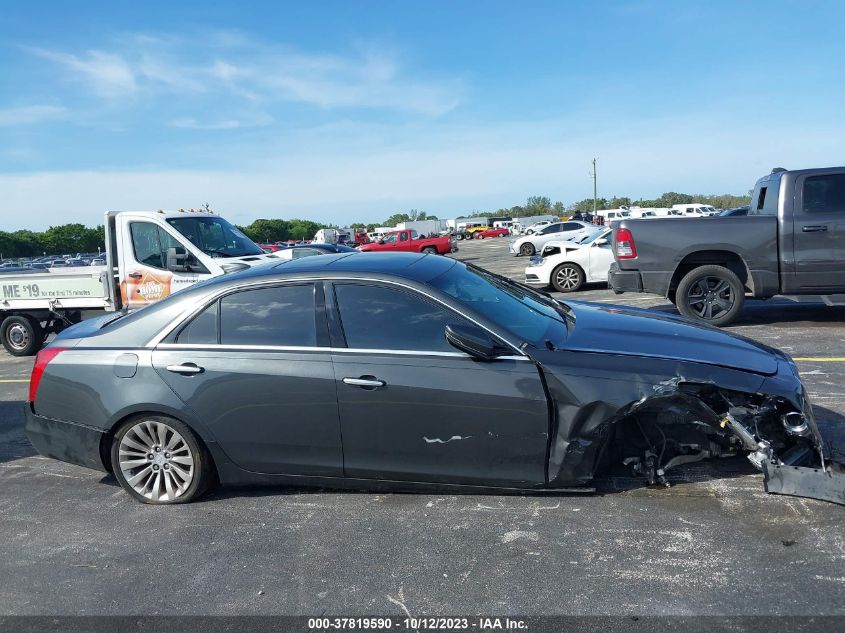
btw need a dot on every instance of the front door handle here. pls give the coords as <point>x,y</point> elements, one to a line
<point>366,382</point>
<point>188,369</point>
<point>814,228</point>
<point>135,275</point>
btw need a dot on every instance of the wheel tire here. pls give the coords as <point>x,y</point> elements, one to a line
<point>567,278</point>
<point>146,431</point>
<point>527,249</point>
<point>708,287</point>
<point>22,335</point>
<point>459,236</point>
<point>467,236</point>
<point>479,236</point>
<point>429,250</point>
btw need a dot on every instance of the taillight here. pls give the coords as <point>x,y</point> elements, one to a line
<point>42,359</point>
<point>625,246</point>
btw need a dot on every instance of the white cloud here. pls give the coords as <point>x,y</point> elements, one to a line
<point>190,123</point>
<point>26,115</point>
<point>108,74</point>
<point>255,72</point>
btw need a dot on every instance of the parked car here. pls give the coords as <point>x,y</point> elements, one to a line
<point>731,213</point>
<point>567,266</point>
<point>408,240</point>
<point>98,261</point>
<point>488,232</point>
<point>792,242</point>
<point>378,354</point>
<point>537,227</point>
<point>532,243</point>
<point>467,232</point>
<point>271,248</point>
<point>306,250</point>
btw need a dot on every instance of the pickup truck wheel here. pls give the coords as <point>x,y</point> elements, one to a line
<point>526,249</point>
<point>429,250</point>
<point>22,336</point>
<point>712,294</point>
<point>467,236</point>
<point>567,278</point>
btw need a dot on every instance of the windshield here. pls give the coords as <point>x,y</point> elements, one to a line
<point>590,237</point>
<point>215,236</point>
<point>526,313</point>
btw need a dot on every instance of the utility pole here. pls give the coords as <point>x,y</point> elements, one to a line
<point>595,190</point>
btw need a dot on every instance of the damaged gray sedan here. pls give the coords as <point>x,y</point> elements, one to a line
<point>412,371</point>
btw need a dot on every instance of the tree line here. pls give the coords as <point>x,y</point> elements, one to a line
<point>69,239</point>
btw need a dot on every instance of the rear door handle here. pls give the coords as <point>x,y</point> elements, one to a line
<point>185,368</point>
<point>365,382</point>
<point>814,228</point>
<point>135,275</point>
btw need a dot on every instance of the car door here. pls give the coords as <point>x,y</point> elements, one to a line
<point>547,234</point>
<point>414,408</point>
<point>255,368</point>
<point>601,257</point>
<point>144,275</point>
<point>819,232</point>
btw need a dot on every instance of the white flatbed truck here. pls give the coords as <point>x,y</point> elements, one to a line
<point>149,255</point>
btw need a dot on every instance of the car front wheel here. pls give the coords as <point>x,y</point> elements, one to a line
<point>713,294</point>
<point>159,460</point>
<point>567,278</point>
<point>526,249</point>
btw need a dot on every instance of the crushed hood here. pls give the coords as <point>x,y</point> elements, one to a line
<point>622,330</point>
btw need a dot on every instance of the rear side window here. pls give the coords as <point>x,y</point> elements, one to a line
<point>375,317</point>
<point>280,316</point>
<point>202,330</point>
<point>552,228</point>
<point>824,194</point>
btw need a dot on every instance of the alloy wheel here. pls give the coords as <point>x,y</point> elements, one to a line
<point>156,461</point>
<point>567,278</point>
<point>709,297</point>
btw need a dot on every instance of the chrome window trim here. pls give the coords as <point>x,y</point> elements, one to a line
<point>189,313</point>
<point>213,347</point>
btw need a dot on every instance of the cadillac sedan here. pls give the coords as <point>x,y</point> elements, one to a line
<point>355,370</point>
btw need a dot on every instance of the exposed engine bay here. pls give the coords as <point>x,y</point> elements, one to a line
<point>684,423</point>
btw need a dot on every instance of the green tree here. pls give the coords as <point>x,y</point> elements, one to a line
<point>396,218</point>
<point>267,231</point>
<point>538,205</point>
<point>303,229</point>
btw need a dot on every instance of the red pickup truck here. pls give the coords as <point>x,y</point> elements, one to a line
<point>409,240</point>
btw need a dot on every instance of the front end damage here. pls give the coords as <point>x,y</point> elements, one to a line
<point>683,421</point>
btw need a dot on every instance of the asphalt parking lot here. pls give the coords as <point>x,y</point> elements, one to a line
<point>714,543</point>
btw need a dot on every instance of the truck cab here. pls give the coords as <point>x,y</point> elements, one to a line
<point>153,255</point>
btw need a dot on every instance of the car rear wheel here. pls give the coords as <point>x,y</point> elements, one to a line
<point>429,250</point>
<point>159,460</point>
<point>567,278</point>
<point>22,335</point>
<point>526,249</point>
<point>479,236</point>
<point>712,294</point>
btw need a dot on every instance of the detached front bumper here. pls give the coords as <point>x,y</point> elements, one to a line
<point>624,280</point>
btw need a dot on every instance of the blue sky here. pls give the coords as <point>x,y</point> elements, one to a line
<point>345,111</point>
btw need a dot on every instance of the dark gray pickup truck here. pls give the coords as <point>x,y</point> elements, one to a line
<point>792,242</point>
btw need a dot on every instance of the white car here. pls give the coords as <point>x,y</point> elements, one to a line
<point>567,266</point>
<point>537,227</point>
<point>531,244</point>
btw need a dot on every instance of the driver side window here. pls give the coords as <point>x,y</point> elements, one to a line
<point>377,317</point>
<point>150,243</point>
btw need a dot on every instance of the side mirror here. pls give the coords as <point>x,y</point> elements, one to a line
<point>177,259</point>
<point>473,340</point>
<point>600,242</point>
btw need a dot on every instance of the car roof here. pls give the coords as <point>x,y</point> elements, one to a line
<point>413,266</point>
